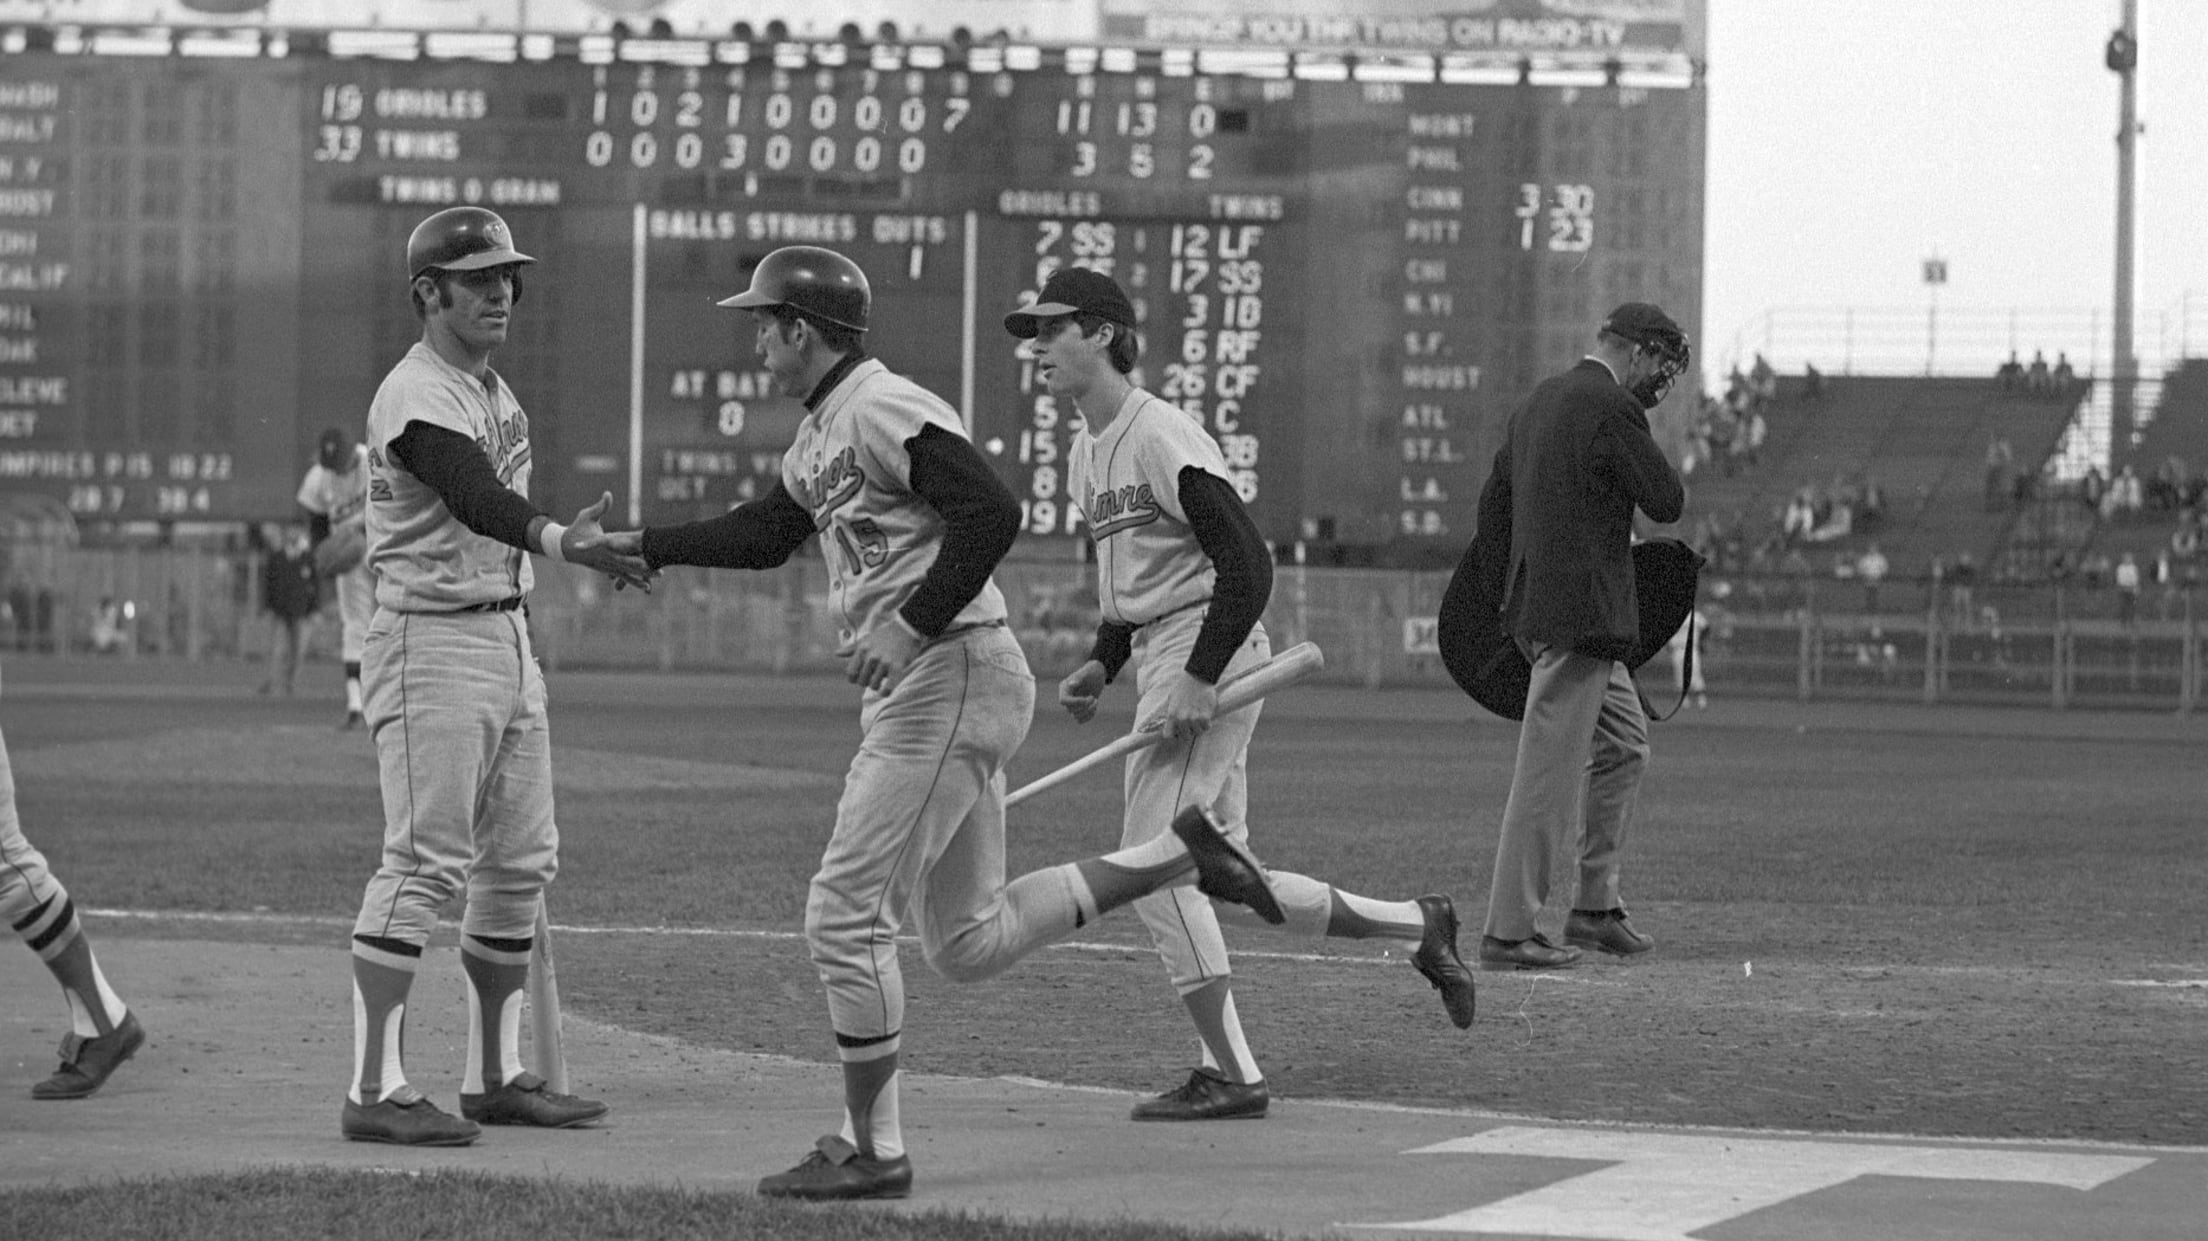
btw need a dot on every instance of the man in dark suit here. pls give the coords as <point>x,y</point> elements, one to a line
<point>1576,461</point>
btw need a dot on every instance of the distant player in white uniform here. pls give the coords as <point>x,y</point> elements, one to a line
<point>453,696</point>
<point>912,523</point>
<point>1183,577</point>
<point>334,495</point>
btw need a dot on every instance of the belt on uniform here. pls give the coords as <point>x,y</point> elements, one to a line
<point>508,604</point>
<point>956,630</point>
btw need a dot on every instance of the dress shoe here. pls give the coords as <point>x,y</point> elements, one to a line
<point>405,1118</point>
<point>86,1063</point>
<point>1605,930</point>
<point>836,1172</point>
<point>1437,959</point>
<point>1525,954</point>
<point>526,1101</point>
<point>1206,1095</point>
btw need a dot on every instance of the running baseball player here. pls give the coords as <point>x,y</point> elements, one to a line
<point>1183,577</point>
<point>912,524</point>
<point>453,696</point>
<point>103,1032</point>
<point>334,496</point>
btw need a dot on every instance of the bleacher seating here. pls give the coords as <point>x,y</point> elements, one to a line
<point>1922,440</point>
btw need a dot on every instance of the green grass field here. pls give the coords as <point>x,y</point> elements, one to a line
<point>1976,923</point>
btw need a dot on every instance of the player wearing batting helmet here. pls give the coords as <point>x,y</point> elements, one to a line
<point>1182,577</point>
<point>453,696</point>
<point>912,524</point>
<point>1556,514</point>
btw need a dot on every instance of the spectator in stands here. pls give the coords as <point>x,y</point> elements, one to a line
<point>1755,432</point>
<point>2185,541</point>
<point>2038,378</point>
<point>1962,585</point>
<point>1870,505</point>
<point>1871,568</point>
<point>1813,382</point>
<point>2127,590</point>
<point>1801,515</point>
<point>1763,382</point>
<point>2126,496</point>
<point>2092,488</point>
<point>1797,569</point>
<point>2011,373</point>
<point>2063,375</point>
<point>2000,460</point>
<point>2166,488</point>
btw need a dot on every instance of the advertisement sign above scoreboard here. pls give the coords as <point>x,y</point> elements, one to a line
<point>1592,28</point>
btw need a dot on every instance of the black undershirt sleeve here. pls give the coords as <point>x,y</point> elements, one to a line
<point>1238,557</point>
<point>318,527</point>
<point>1115,643</point>
<point>456,468</point>
<point>760,534</point>
<point>980,518</point>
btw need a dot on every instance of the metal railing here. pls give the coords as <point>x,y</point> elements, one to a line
<point>2055,645</point>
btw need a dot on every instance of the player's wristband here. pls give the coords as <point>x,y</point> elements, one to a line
<point>549,541</point>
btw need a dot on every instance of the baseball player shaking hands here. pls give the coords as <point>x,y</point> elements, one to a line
<point>912,524</point>
<point>1183,577</point>
<point>453,696</point>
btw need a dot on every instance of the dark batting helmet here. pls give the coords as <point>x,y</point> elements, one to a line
<point>819,284</point>
<point>461,239</point>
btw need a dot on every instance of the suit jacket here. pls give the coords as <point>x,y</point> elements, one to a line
<point>1577,460</point>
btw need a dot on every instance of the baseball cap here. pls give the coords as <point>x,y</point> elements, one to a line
<point>1073,291</point>
<point>1643,323</point>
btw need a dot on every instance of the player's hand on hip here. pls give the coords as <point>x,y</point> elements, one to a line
<point>1188,707</point>
<point>880,656</point>
<point>1081,689</point>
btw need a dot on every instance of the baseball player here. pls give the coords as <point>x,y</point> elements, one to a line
<point>1182,578</point>
<point>334,496</point>
<point>912,523</point>
<point>103,1032</point>
<point>453,696</point>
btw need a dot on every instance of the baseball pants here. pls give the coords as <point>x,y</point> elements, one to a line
<point>456,705</point>
<point>1160,781</point>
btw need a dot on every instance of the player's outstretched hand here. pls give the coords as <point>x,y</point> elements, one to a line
<point>880,656</point>
<point>1081,689</point>
<point>586,543</point>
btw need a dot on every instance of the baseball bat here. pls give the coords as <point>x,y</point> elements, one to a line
<point>1281,671</point>
<point>544,1007</point>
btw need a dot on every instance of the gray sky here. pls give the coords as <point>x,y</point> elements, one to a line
<point>1852,139</point>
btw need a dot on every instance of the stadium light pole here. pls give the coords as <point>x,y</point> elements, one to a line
<point>2123,60</point>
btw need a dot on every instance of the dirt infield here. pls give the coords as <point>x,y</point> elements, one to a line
<point>1891,941</point>
<point>248,1046</point>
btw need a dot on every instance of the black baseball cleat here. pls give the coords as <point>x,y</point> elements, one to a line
<point>87,1063</point>
<point>353,722</point>
<point>405,1118</point>
<point>1225,870</point>
<point>1536,953</point>
<point>1207,1095</point>
<point>527,1101</point>
<point>1437,959</point>
<point>835,1171</point>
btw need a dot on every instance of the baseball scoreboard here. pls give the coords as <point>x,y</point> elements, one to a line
<point>1347,270</point>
